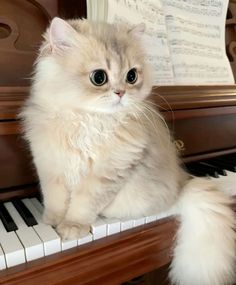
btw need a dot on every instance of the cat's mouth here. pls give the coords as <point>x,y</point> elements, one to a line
<point>119,102</point>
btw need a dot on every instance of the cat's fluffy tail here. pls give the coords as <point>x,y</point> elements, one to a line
<point>206,241</point>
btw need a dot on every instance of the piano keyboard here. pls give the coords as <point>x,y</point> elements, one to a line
<point>220,169</point>
<point>24,237</point>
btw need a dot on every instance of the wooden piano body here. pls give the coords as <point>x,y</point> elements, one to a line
<point>202,119</point>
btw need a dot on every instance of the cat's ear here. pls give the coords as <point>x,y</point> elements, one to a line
<point>61,35</point>
<point>138,30</point>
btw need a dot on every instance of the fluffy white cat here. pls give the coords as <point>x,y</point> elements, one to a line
<point>100,148</point>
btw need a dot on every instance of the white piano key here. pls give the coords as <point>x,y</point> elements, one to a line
<point>32,244</point>
<point>69,244</point>
<point>72,243</point>
<point>37,205</point>
<point>163,215</point>
<point>126,224</point>
<point>15,215</point>
<point>85,239</point>
<point>113,225</point>
<point>50,238</point>
<point>231,173</point>
<point>12,247</point>
<point>227,183</point>
<point>28,203</point>
<point>2,259</point>
<point>99,229</point>
<point>139,222</point>
<point>64,244</point>
<point>150,219</point>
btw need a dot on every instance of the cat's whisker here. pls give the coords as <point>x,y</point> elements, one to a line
<point>153,112</point>
<point>138,118</point>
<point>148,119</point>
<point>156,117</point>
<point>167,103</point>
<point>154,104</point>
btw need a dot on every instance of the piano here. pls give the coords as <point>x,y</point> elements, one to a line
<point>201,118</point>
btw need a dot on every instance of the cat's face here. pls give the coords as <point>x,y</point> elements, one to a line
<point>102,66</point>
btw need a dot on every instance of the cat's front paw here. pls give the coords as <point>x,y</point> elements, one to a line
<point>52,218</point>
<point>69,230</point>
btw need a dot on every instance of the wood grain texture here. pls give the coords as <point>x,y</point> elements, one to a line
<point>16,167</point>
<point>20,35</point>
<point>166,98</point>
<point>193,97</point>
<point>204,130</point>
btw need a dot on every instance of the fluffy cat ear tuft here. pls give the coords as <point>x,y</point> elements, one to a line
<point>138,30</point>
<point>61,35</point>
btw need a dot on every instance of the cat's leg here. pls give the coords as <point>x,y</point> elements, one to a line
<point>55,197</point>
<point>80,215</point>
<point>47,158</point>
<point>55,193</point>
<point>139,198</point>
<point>85,205</point>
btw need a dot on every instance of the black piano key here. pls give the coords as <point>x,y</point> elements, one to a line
<point>193,170</point>
<point>25,213</point>
<point>222,164</point>
<point>206,170</point>
<point>211,171</point>
<point>214,166</point>
<point>7,220</point>
<point>230,157</point>
<point>219,170</point>
<point>39,198</point>
<point>226,161</point>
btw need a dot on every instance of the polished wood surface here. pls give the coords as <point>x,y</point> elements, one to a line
<point>22,24</point>
<point>202,118</point>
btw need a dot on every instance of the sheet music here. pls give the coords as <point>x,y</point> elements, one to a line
<point>149,12</point>
<point>184,40</point>
<point>196,35</point>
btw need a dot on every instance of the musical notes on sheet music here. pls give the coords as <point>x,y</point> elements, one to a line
<point>189,70</point>
<point>186,47</point>
<point>204,30</point>
<point>184,40</point>
<point>209,8</point>
<point>197,41</point>
<point>149,9</point>
<point>156,42</point>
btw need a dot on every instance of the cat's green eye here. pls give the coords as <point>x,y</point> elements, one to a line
<point>132,76</point>
<point>98,77</point>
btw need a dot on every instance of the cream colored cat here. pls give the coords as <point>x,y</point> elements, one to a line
<point>100,148</point>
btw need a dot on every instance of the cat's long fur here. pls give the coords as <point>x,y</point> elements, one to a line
<point>98,154</point>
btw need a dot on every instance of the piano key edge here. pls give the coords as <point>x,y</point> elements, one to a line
<point>147,247</point>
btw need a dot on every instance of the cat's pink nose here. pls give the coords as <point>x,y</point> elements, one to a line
<point>120,93</point>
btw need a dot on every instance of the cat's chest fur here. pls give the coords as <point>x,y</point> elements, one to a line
<point>105,146</point>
